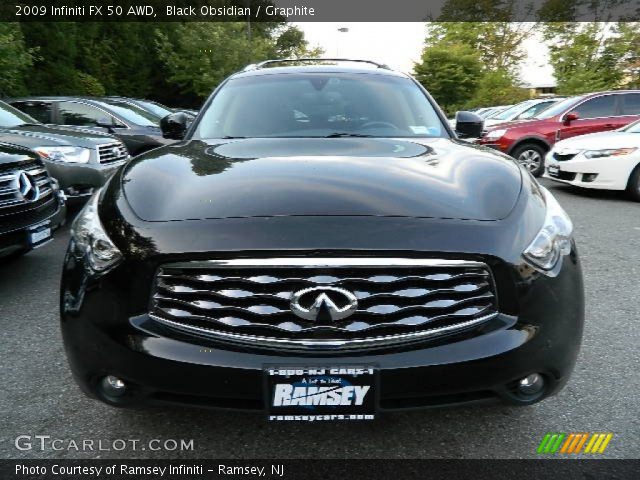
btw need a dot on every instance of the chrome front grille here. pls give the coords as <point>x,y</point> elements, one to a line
<point>250,300</point>
<point>10,195</point>
<point>112,152</point>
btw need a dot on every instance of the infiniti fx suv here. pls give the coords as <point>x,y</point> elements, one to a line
<point>320,245</point>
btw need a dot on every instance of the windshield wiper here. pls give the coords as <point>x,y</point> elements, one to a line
<point>230,137</point>
<point>346,135</point>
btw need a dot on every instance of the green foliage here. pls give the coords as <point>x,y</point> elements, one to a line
<point>591,56</point>
<point>450,73</point>
<point>176,63</point>
<point>15,59</point>
<point>497,88</point>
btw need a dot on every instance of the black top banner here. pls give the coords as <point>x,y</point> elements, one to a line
<point>320,10</point>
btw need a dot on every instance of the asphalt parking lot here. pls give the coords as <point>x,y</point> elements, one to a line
<point>39,396</point>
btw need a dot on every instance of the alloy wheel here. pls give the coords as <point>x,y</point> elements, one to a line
<point>530,159</point>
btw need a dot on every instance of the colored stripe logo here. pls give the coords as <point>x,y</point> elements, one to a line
<point>569,443</point>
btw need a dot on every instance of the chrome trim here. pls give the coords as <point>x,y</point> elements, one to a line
<point>339,262</point>
<point>320,343</point>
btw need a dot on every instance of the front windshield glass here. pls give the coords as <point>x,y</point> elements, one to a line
<point>155,108</point>
<point>512,112</point>
<point>558,108</point>
<point>132,114</point>
<point>632,127</point>
<point>11,117</point>
<point>319,105</point>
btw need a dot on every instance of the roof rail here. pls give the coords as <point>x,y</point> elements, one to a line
<point>257,66</point>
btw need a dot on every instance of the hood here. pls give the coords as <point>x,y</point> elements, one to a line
<point>33,136</point>
<point>601,140</point>
<point>438,178</point>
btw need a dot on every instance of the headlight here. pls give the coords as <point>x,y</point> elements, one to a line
<point>553,241</point>
<point>495,134</point>
<point>64,154</point>
<point>90,238</point>
<point>609,152</point>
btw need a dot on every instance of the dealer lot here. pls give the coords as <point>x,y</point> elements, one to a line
<point>40,397</point>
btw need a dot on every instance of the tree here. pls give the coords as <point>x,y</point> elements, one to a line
<point>201,54</point>
<point>450,72</point>
<point>586,56</point>
<point>497,88</point>
<point>15,59</point>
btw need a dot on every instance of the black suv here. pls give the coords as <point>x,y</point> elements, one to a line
<point>321,246</point>
<point>137,128</point>
<point>31,206</point>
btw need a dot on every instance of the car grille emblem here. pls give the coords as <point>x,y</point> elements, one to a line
<point>27,187</point>
<point>323,304</point>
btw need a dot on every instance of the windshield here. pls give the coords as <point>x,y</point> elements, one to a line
<point>319,105</point>
<point>131,113</point>
<point>559,107</point>
<point>155,108</point>
<point>11,117</point>
<point>632,127</point>
<point>512,112</point>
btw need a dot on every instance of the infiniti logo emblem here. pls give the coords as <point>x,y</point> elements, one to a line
<point>27,187</point>
<point>323,304</point>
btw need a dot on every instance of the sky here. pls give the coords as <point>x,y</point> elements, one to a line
<point>399,45</point>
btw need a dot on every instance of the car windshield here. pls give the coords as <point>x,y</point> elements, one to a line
<point>320,105</point>
<point>11,117</point>
<point>155,108</point>
<point>512,112</point>
<point>131,113</point>
<point>632,127</point>
<point>558,108</point>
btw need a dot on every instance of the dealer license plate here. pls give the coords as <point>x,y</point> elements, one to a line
<point>321,393</point>
<point>553,170</point>
<point>38,235</point>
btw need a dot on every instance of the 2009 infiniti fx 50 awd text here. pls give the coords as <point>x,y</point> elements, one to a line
<point>320,245</point>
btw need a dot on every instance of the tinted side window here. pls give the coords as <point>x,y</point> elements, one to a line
<point>72,113</point>
<point>604,106</point>
<point>631,104</point>
<point>41,111</point>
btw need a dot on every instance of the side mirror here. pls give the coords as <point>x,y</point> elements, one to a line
<point>570,117</point>
<point>174,126</point>
<point>469,125</point>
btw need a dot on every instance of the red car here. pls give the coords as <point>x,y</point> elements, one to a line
<point>528,141</point>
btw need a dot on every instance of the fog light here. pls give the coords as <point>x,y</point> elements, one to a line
<point>531,384</point>
<point>113,386</point>
<point>589,177</point>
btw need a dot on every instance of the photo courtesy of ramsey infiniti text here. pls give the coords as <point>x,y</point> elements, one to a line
<point>321,245</point>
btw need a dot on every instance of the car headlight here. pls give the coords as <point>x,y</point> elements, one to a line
<point>90,238</point>
<point>553,241</point>
<point>65,154</point>
<point>495,134</point>
<point>614,152</point>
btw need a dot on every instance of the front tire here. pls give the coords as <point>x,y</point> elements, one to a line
<point>531,156</point>
<point>633,188</point>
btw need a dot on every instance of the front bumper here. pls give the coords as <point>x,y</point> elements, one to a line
<point>78,180</point>
<point>609,173</point>
<point>16,239</point>
<point>161,367</point>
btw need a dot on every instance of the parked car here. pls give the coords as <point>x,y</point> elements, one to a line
<point>155,108</point>
<point>31,204</point>
<point>521,111</point>
<point>494,111</point>
<point>134,126</point>
<point>80,160</point>
<point>319,246</point>
<point>605,160</point>
<point>529,141</point>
